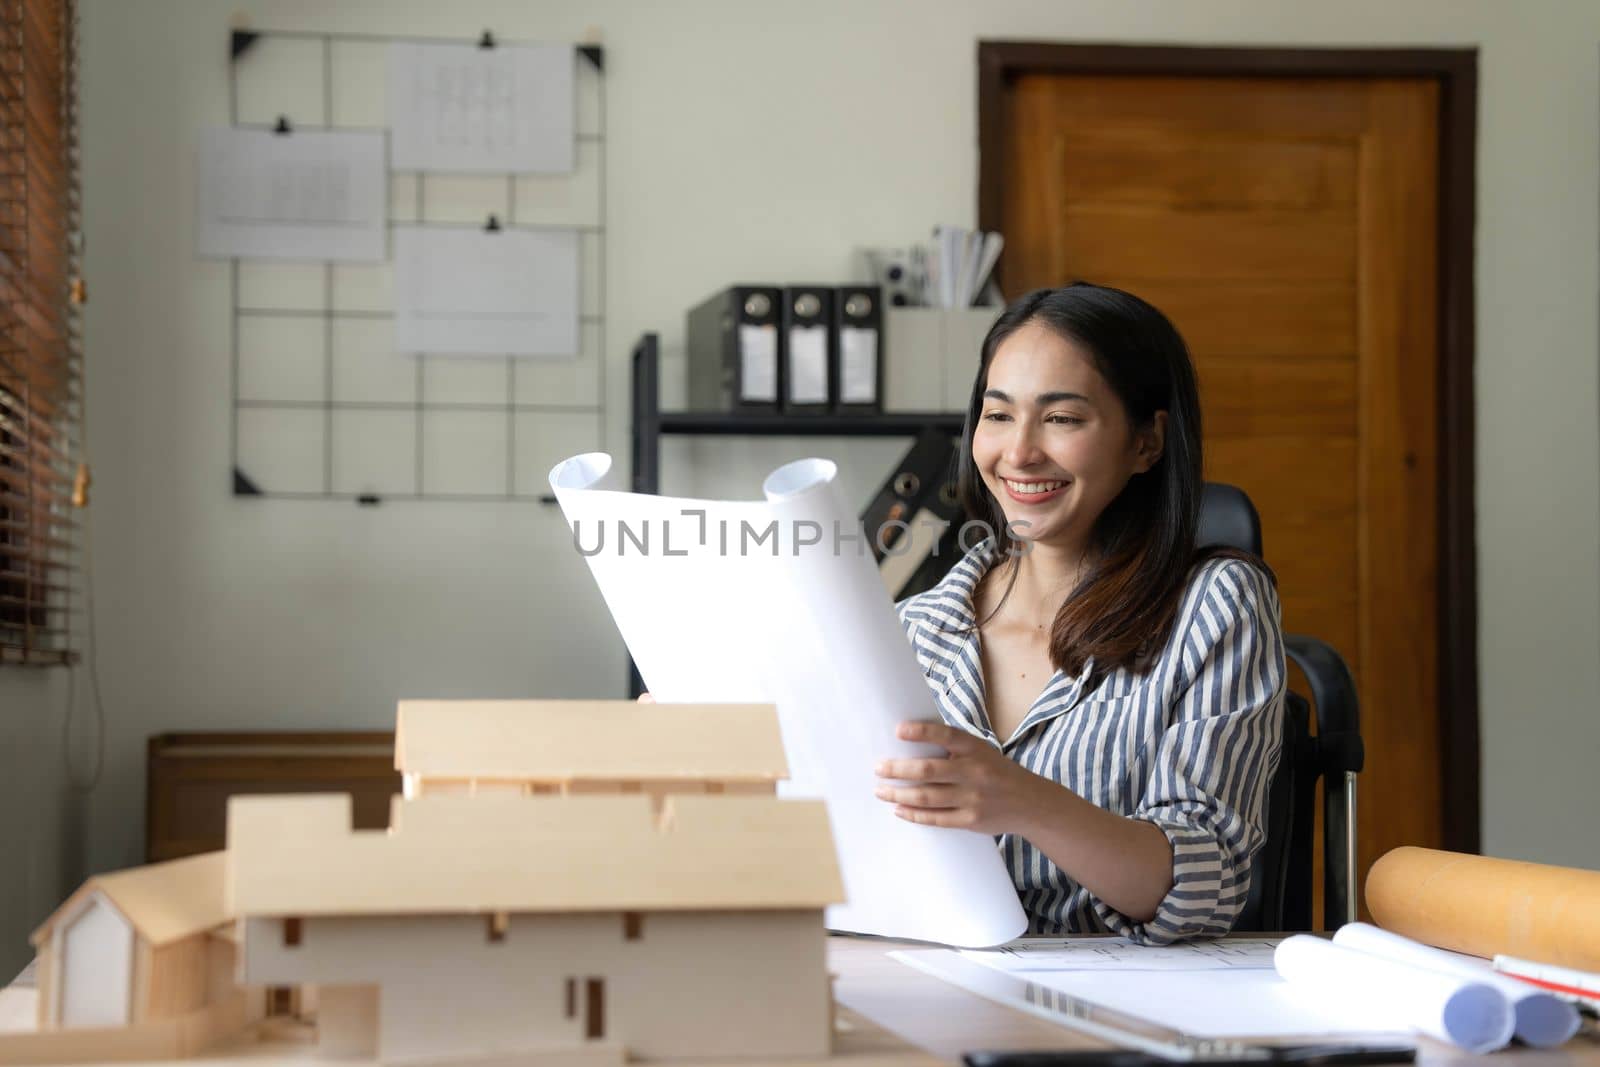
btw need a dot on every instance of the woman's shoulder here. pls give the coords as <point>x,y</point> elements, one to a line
<point>1237,576</point>
<point>1224,592</point>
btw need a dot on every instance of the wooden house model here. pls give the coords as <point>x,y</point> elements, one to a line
<point>568,747</point>
<point>137,964</point>
<point>567,929</point>
<point>571,882</point>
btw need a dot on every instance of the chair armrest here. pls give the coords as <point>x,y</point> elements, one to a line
<point>1340,755</point>
<point>1334,701</point>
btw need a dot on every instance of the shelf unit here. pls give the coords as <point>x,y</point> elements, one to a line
<point>650,422</point>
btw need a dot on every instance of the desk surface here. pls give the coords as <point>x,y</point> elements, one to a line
<point>944,1020</point>
<point>893,1016</point>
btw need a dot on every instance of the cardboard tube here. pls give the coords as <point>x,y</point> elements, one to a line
<point>1488,907</point>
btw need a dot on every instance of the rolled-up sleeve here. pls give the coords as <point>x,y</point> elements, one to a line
<point>1207,783</point>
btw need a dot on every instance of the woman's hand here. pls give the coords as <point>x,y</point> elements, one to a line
<point>976,787</point>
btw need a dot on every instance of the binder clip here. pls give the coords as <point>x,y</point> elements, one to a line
<point>283,125</point>
<point>493,225</point>
<point>487,40</point>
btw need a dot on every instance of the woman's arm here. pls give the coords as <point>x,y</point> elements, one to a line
<point>1178,865</point>
<point>1127,863</point>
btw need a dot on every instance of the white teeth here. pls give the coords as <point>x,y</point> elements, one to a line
<point>1032,488</point>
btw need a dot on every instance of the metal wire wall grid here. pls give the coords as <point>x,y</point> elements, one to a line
<point>41,356</point>
<point>352,419</point>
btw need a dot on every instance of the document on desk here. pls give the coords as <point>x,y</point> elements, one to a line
<point>1203,990</point>
<point>773,601</point>
<point>1047,955</point>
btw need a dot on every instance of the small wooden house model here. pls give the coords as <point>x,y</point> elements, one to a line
<point>137,964</point>
<point>582,928</point>
<point>568,747</point>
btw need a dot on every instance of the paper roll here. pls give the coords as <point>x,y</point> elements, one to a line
<point>1541,1019</point>
<point>1471,1015</point>
<point>1488,907</point>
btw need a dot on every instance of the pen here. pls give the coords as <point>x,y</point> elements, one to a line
<point>1577,985</point>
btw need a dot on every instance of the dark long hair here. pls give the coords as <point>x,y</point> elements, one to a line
<point>1143,544</point>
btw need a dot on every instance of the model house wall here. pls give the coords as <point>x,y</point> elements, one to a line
<point>688,984</point>
<point>590,924</point>
<point>566,747</point>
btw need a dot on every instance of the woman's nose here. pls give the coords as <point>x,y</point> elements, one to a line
<point>1022,449</point>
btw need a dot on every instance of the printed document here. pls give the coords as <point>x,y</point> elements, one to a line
<point>471,110</point>
<point>310,194</point>
<point>476,292</point>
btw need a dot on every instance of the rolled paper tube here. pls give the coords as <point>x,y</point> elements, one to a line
<point>1541,1019</point>
<point>1471,1015</point>
<point>1488,907</point>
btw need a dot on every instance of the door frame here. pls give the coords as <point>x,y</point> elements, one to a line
<point>1455,70</point>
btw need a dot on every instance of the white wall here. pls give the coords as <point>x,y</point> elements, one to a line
<point>41,831</point>
<point>757,141</point>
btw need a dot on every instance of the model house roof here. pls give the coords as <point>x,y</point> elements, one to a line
<point>573,740</point>
<point>165,902</point>
<point>298,856</point>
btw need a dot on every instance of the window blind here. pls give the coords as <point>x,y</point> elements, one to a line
<point>41,365</point>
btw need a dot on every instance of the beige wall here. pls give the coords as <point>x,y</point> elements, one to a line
<point>758,140</point>
<point>41,840</point>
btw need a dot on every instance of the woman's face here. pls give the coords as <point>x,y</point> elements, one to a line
<point>1053,441</point>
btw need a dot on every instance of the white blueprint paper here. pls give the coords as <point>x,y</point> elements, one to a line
<point>471,291</point>
<point>309,194</point>
<point>465,109</point>
<point>749,601</point>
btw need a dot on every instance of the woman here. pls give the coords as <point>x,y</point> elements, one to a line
<point>1112,697</point>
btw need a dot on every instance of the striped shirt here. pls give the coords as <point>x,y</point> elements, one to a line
<point>1188,745</point>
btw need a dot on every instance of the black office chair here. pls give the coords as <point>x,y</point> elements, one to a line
<point>1280,882</point>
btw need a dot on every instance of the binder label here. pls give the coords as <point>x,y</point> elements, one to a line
<point>808,365</point>
<point>858,365</point>
<point>758,363</point>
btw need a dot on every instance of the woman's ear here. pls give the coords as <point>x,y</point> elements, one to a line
<point>1150,443</point>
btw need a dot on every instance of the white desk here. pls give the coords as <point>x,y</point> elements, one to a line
<point>893,1016</point>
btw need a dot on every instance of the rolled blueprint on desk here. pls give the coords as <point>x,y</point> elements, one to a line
<point>1541,1019</point>
<point>1468,1014</point>
<point>777,601</point>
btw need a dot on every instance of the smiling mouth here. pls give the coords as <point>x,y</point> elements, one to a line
<point>1032,488</point>
<point>1033,492</point>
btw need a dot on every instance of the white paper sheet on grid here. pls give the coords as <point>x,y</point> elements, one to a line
<point>465,109</point>
<point>1190,993</point>
<point>475,292</point>
<point>715,611</point>
<point>1053,955</point>
<point>309,194</point>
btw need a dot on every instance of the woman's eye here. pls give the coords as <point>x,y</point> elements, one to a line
<point>1066,420</point>
<point>995,416</point>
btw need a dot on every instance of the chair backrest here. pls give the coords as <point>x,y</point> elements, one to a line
<point>1281,871</point>
<point>1228,518</point>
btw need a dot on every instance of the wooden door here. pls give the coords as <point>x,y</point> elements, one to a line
<point>1289,228</point>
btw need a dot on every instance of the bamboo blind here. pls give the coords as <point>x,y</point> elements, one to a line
<point>40,344</point>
